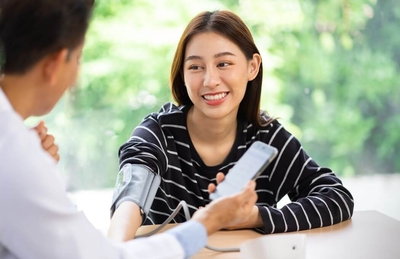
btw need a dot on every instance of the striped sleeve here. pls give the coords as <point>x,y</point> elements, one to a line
<point>318,196</point>
<point>146,147</point>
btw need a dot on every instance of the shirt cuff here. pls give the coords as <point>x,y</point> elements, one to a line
<point>192,235</point>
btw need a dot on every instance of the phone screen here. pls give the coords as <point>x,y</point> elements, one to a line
<point>250,165</point>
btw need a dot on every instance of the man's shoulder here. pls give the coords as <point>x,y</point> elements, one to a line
<point>11,127</point>
<point>20,147</point>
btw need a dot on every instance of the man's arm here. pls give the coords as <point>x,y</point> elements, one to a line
<point>41,222</point>
<point>45,224</point>
<point>219,214</point>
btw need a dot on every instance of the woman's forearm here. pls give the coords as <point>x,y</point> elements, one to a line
<point>125,222</point>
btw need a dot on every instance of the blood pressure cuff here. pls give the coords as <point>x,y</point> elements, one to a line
<point>137,184</point>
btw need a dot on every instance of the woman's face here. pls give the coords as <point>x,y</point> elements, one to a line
<point>216,73</point>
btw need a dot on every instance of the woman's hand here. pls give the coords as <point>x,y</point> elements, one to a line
<point>47,140</point>
<point>220,177</point>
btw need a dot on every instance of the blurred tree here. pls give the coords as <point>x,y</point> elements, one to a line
<point>340,75</point>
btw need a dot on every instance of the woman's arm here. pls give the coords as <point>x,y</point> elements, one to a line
<point>318,196</point>
<point>142,159</point>
<point>125,222</point>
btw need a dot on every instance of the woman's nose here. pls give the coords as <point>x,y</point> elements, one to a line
<point>211,78</point>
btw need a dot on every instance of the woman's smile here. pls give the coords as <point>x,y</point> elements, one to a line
<point>215,99</point>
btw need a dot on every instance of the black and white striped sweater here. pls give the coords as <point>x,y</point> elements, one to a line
<point>162,143</point>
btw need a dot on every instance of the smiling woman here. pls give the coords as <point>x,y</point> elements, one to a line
<point>216,80</point>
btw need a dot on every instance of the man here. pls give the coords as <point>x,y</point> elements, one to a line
<point>41,43</point>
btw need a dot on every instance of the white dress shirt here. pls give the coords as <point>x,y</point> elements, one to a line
<point>37,220</point>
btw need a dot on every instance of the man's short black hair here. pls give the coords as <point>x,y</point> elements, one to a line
<point>32,29</point>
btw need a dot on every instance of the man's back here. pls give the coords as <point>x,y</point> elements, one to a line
<point>38,220</point>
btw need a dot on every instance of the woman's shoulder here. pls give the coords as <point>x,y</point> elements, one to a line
<point>275,133</point>
<point>267,122</point>
<point>169,113</point>
<point>268,129</point>
<point>171,108</point>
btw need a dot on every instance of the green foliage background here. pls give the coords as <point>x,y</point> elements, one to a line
<point>331,77</point>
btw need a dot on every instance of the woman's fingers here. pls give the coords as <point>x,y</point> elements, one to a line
<point>220,177</point>
<point>211,188</point>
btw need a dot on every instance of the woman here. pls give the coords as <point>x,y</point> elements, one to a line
<point>216,79</point>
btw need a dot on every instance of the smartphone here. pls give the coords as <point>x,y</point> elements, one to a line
<point>249,166</point>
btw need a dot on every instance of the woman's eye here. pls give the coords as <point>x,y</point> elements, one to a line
<point>194,67</point>
<point>223,64</point>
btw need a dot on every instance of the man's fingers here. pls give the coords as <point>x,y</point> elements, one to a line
<point>251,185</point>
<point>248,193</point>
<point>39,126</point>
<point>48,141</point>
<point>41,129</point>
<point>57,157</point>
<point>53,150</point>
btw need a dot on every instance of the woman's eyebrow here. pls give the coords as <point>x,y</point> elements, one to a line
<point>225,53</point>
<point>195,57</point>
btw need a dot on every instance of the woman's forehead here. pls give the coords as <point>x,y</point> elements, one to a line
<point>210,43</point>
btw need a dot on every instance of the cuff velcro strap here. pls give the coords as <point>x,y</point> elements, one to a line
<point>137,184</point>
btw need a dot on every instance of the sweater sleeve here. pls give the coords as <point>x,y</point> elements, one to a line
<point>146,147</point>
<point>318,196</point>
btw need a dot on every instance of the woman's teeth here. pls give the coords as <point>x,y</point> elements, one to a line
<point>214,97</point>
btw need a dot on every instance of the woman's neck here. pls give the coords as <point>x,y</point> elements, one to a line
<point>210,130</point>
<point>213,138</point>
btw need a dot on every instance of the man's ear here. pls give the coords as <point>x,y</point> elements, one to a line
<point>254,66</point>
<point>53,66</point>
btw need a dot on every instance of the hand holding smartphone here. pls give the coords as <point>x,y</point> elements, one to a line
<point>248,167</point>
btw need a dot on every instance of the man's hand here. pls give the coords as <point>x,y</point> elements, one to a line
<point>47,140</point>
<point>229,210</point>
<point>254,218</point>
